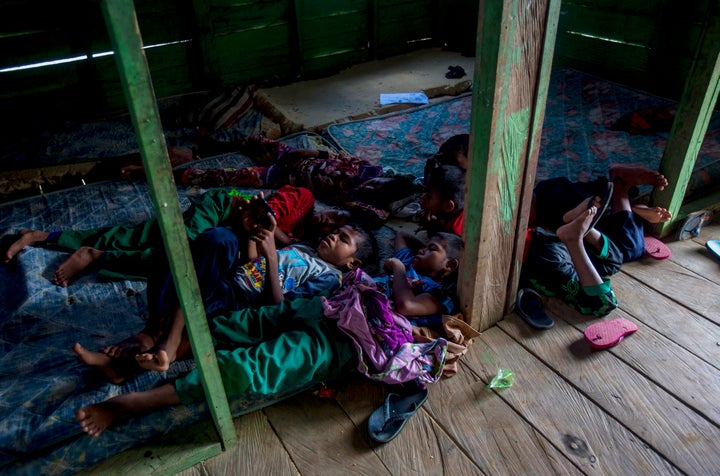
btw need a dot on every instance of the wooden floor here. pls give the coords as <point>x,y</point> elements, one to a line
<point>647,406</point>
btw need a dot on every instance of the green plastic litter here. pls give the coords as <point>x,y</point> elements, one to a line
<point>503,379</point>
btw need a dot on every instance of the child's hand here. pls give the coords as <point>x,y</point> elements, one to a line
<point>265,242</point>
<point>393,265</point>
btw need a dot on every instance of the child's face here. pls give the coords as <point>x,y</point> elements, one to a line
<point>432,203</point>
<point>329,220</point>
<point>432,259</point>
<point>339,248</point>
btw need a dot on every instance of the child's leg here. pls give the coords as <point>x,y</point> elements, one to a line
<point>572,235</point>
<point>76,263</point>
<point>94,419</point>
<point>27,238</point>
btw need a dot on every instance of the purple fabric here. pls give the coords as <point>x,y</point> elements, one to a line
<point>382,337</point>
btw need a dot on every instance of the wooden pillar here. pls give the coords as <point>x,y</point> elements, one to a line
<point>515,45</point>
<point>691,122</point>
<point>135,77</point>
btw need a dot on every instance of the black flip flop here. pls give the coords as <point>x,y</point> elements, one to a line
<point>386,422</point>
<point>604,204</point>
<point>530,307</point>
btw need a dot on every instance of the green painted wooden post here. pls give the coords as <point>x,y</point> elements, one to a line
<point>691,122</point>
<point>511,76</point>
<point>132,65</point>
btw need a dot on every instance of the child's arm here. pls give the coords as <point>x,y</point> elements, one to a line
<point>272,292</point>
<point>406,240</point>
<point>407,303</point>
<point>283,239</point>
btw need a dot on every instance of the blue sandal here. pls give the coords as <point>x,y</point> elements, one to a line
<point>386,422</point>
<point>530,307</point>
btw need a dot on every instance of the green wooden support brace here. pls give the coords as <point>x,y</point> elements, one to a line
<point>691,122</point>
<point>135,77</point>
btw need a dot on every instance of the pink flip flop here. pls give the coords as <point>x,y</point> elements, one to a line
<point>602,335</point>
<point>655,248</point>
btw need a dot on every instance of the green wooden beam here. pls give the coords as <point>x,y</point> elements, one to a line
<point>511,76</point>
<point>135,78</point>
<point>691,121</point>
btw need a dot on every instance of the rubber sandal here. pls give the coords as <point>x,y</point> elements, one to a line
<point>656,249</point>
<point>605,334</point>
<point>694,223</point>
<point>604,203</point>
<point>529,305</point>
<point>386,422</point>
<point>713,247</point>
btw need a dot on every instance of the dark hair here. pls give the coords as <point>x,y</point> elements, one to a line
<point>366,245</point>
<point>447,153</point>
<point>449,181</point>
<point>453,245</point>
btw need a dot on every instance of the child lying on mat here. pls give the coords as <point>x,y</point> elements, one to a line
<point>275,349</point>
<point>574,245</point>
<point>225,283</point>
<point>422,277</point>
<point>333,177</point>
<point>125,252</point>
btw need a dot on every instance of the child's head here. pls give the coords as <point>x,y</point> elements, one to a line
<point>444,191</point>
<point>454,151</point>
<point>440,257</point>
<point>348,247</point>
<point>328,220</point>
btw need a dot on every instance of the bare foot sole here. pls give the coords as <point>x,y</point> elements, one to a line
<point>581,208</point>
<point>94,419</point>
<point>652,214</point>
<point>633,175</point>
<point>576,229</point>
<point>159,361</point>
<point>27,238</point>
<point>130,347</point>
<point>77,262</point>
<point>101,362</point>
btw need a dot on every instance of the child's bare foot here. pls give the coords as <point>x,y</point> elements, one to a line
<point>130,347</point>
<point>652,214</point>
<point>27,238</point>
<point>576,229</point>
<point>95,418</point>
<point>159,361</point>
<point>633,175</point>
<point>77,262</point>
<point>581,208</point>
<point>100,361</point>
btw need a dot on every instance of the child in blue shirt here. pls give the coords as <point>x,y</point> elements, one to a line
<point>422,283</point>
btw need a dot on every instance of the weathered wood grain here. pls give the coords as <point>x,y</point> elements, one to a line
<point>678,283</point>
<point>679,324</point>
<point>258,451</point>
<point>621,390</point>
<point>575,425</point>
<point>423,446</point>
<point>321,438</point>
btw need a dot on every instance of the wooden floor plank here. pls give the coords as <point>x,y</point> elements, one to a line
<point>583,432</point>
<point>673,429</point>
<point>679,324</point>
<point>321,438</point>
<point>421,448</point>
<point>490,431</point>
<point>682,285</point>
<point>693,255</point>
<point>258,451</point>
<point>688,377</point>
